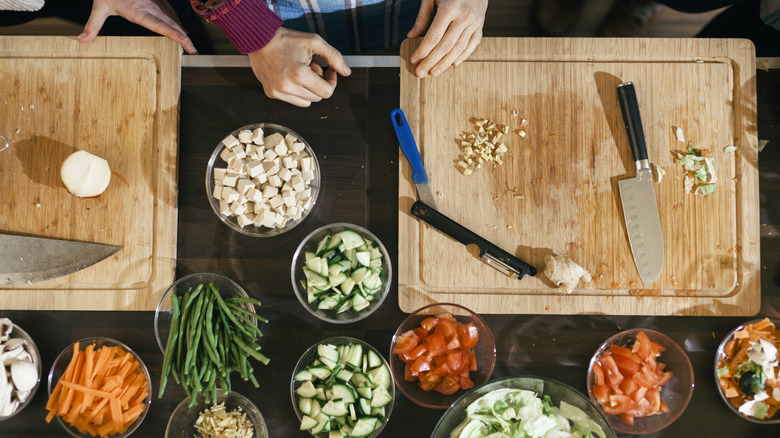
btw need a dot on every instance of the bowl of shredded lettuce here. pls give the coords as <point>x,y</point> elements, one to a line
<point>523,406</point>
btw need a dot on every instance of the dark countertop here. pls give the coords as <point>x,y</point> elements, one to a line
<point>358,155</point>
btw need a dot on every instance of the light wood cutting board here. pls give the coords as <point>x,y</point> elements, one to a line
<point>116,98</point>
<point>556,192</point>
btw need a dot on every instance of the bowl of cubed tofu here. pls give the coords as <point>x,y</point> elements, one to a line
<point>262,179</point>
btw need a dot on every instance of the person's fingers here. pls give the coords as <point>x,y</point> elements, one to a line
<point>316,68</point>
<point>436,48</point>
<point>442,35</point>
<point>159,22</point>
<point>95,22</point>
<point>424,17</point>
<point>450,57</point>
<point>473,43</point>
<point>330,55</point>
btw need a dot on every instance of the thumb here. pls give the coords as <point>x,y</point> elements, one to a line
<point>96,20</point>
<point>331,56</point>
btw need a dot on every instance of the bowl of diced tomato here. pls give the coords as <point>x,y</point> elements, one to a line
<point>641,380</point>
<point>440,351</point>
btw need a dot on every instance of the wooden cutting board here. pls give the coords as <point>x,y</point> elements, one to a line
<point>556,192</point>
<point>116,98</point>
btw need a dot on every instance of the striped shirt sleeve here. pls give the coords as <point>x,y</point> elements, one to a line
<point>248,24</point>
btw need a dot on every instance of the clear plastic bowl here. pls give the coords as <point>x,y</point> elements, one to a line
<point>182,421</point>
<point>309,243</point>
<point>18,332</point>
<point>216,161</point>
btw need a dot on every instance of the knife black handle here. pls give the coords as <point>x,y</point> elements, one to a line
<point>636,136</point>
<point>466,237</point>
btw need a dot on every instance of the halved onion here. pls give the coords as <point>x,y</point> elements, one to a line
<point>85,175</point>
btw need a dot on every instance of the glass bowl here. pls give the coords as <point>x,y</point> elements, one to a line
<point>367,302</point>
<point>182,421</point>
<point>216,161</point>
<point>35,356</point>
<point>676,393</point>
<point>61,363</point>
<point>484,353</point>
<point>162,315</point>
<point>726,351</point>
<point>557,392</point>
<point>377,368</point>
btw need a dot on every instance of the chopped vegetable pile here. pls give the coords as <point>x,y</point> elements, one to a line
<point>481,146</point>
<point>102,391</point>
<point>344,391</point>
<point>521,413</point>
<point>439,353</point>
<point>210,337</point>
<point>699,171</point>
<point>345,272</point>
<point>218,422</point>
<point>628,381</point>
<point>748,368</point>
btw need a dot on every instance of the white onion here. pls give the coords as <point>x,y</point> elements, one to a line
<point>85,175</point>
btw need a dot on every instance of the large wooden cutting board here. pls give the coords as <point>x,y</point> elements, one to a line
<point>116,98</point>
<point>557,191</point>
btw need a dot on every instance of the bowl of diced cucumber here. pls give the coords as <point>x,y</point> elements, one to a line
<point>341,273</point>
<point>342,386</point>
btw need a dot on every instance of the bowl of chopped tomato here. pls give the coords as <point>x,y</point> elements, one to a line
<point>440,351</point>
<point>746,371</point>
<point>641,380</point>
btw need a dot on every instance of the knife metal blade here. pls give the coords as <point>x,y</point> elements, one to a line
<point>29,259</point>
<point>492,255</point>
<point>412,154</point>
<point>637,195</point>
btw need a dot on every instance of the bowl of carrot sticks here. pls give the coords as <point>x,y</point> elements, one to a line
<point>98,387</point>
<point>746,371</point>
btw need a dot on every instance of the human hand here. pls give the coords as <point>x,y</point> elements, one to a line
<point>287,70</point>
<point>153,15</point>
<point>454,33</point>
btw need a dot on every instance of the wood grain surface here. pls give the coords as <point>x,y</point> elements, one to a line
<point>116,98</point>
<point>556,192</point>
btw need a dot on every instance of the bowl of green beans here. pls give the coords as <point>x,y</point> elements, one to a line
<point>206,325</point>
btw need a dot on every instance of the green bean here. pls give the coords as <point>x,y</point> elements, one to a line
<point>169,346</point>
<point>247,312</point>
<point>255,354</point>
<point>242,300</point>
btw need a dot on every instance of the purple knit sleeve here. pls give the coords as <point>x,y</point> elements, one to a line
<point>248,24</point>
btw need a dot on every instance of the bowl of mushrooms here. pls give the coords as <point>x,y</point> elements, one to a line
<point>21,369</point>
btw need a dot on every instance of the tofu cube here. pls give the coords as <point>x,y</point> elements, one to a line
<point>240,152</point>
<point>289,163</point>
<point>254,195</point>
<point>285,174</point>
<point>219,173</point>
<point>270,191</point>
<point>254,168</point>
<point>230,194</point>
<point>265,218</point>
<point>272,140</point>
<point>238,208</point>
<point>269,154</point>
<point>306,164</point>
<point>243,185</point>
<point>236,164</point>
<point>217,193</point>
<point>245,136</point>
<point>297,183</point>
<point>307,176</point>
<point>276,201</point>
<point>257,136</point>
<point>224,208</point>
<point>260,179</point>
<point>298,147</point>
<point>275,181</point>
<point>281,149</point>
<point>230,142</point>
<point>230,179</point>
<point>245,219</point>
<point>227,155</point>
<point>251,151</point>
<point>289,198</point>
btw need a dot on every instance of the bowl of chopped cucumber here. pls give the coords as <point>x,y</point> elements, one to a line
<point>341,273</point>
<point>523,406</point>
<point>342,386</point>
<point>262,179</point>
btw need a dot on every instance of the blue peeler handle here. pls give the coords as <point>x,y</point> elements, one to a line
<point>408,146</point>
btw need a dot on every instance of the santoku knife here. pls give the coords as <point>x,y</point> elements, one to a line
<point>412,154</point>
<point>637,195</point>
<point>492,255</point>
<point>29,259</point>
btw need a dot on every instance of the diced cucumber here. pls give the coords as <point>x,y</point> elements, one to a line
<point>343,392</point>
<point>322,246</point>
<point>378,412</point>
<point>364,427</point>
<point>308,423</point>
<point>328,363</point>
<point>306,389</point>
<point>381,376</point>
<point>322,423</point>
<point>355,355</point>
<point>328,303</point>
<point>337,279</point>
<point>365,406</point>
<point>373,359</point>
<point>336,434</point>
<point>304,405</point>
<point>364,392</point>
<point>320,372</point>
<point>344,305</point>
<point>313,278</point>
<point>380,397</point>
<point>335,241</point>
<point>376,254</point>
<point>309,255</point>
<point>328,351</point>
<point>335,408</point>
<point>304,374</point>
<point>359,274</point>
<point>344,375</point>
<point>351,239</point>
<point>359,303</point>
<point>347,286</point>
<point>363,258</point>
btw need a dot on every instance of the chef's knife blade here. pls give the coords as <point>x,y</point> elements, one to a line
<point>637,195</point>
<point>29,259</point>
<point>492,255</point>
<point>412,154</point>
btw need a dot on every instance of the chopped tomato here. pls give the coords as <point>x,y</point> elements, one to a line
<point>448,385</point>
<point>628,381</point>
<point>420,365</point>
<point>439,353</point>
<point>429,323</point>
<point>406,342</point>
<point>437,344</point>
<point>468,335</point>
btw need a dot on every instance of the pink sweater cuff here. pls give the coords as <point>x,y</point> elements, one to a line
<point>248,24</point>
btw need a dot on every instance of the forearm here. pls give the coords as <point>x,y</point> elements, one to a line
<point>248,24</point>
